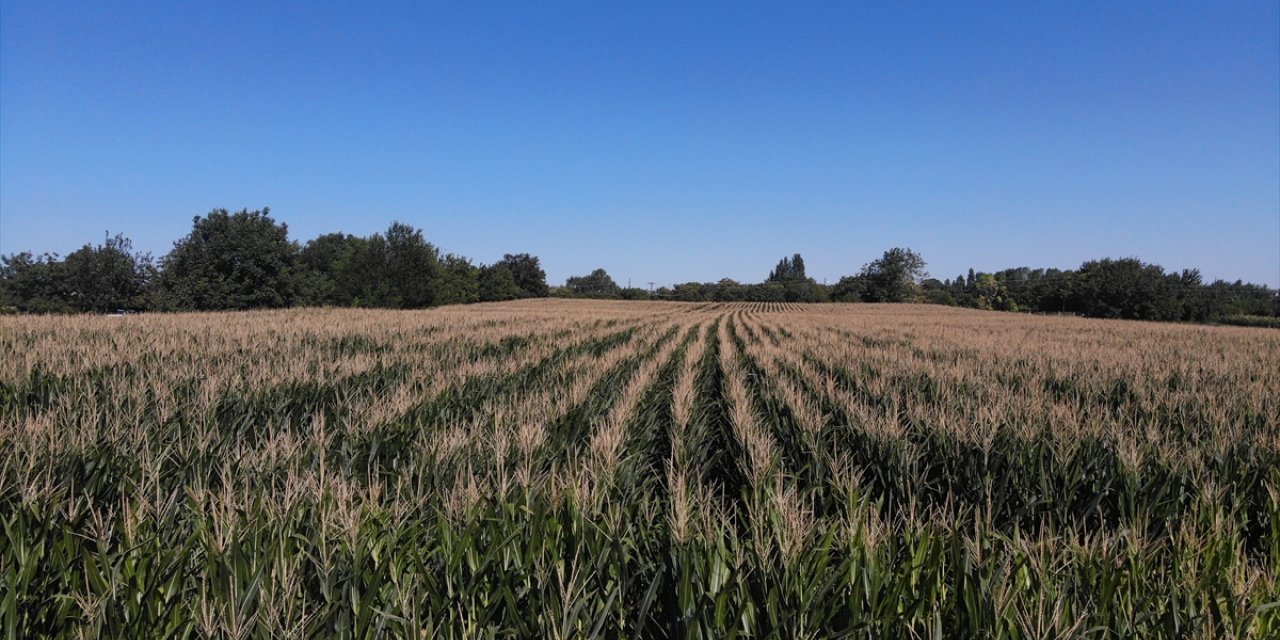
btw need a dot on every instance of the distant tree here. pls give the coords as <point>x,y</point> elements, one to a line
<point>328,276</point>
<point>1125,288</point>
<point>939,296</point>
<point>849,289</point>
<point>796,286</point>
<point>396,269</point>
<point>691,292</point>
<point>805,290</point>
<point>364,274</point>
<point>788,269</point>
<point>108,277</point>
<point>937,292</point>
<point>596,285</point>
<point>497,283</point>
<point>527,273</point>
<point>994,294</point>
<point>231,261</point>
<point>729,290</point>
<point>33,284</point>
<point>769,292</point>
<point>458,282</point>
<point>1239,298</point>
<point>412,267</point>
<point>1046,290</point>
<point>893,278</point>
<point>634,293</point>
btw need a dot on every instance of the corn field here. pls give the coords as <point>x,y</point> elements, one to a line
<point>570,469</point>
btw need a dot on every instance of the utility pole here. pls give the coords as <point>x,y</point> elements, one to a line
<point>651,289</point>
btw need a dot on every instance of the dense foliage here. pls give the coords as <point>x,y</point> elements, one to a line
<point>230,261</point>
<point>1125,288</point>
<point>587,469</point>
<point>597,284</point>
<point>246,261</point>
<point>91,279</point>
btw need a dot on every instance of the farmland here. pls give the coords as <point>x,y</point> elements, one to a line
<point>563,469</point>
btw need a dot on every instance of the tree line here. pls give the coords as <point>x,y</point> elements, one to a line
<point>245,260</point>
<point>1111,288</point>
<point>1125,288</point>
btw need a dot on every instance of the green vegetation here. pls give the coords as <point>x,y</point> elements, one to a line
<point>566,469</point>
<point>246,261</point>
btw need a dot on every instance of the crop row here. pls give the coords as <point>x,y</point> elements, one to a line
<point>571,469</point>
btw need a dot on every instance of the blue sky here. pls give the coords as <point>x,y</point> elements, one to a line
<point>661,141</point>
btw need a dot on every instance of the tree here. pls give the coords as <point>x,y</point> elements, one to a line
<point>34,284</point>
<point>994,294</point>
<point>412,267</point>
<point>497,283</point>
<point>108,277</point>
<point>894,277</point>
<point>728,290</point>
<point>1125,288</point>
<point>231,261</point>
<point>527,273</point>
<point>788,270</point>
<point>327,277</point>
<point>459,281</point>
<point>796,286</point>
<point>690,292</point>
<point>597,285</point>
<point>849,289</point>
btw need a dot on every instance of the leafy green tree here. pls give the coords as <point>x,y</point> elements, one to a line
<point>412,267</point>
<point>939,296</point>
<point>993,293</point>
<point>527,273</point>
<point>690,292</point>
<point>108,277</point>
<point>240,260</point>
<point>728,290</point>
<point>459,281</point>
<point>33,284</point>
<point>497,283</point>
<point>937,292</point>
<point>849,289</point>
<point>364,274</point>
<point>770,292</point>
<point>327,278</point>
<point>796,286</point>
<point>894,277</point>
<point>788,270</point>
<point>596,285</point>
<point>1125,288</point>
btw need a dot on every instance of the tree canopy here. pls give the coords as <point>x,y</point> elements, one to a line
<point>596,285</point>
<point>894,277</point>
<point>527,273</point>
<point>108,277</point>
<point>241,260</point>
<point>245,260</point>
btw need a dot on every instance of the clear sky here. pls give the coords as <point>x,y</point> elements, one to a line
<point>662,141</point>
